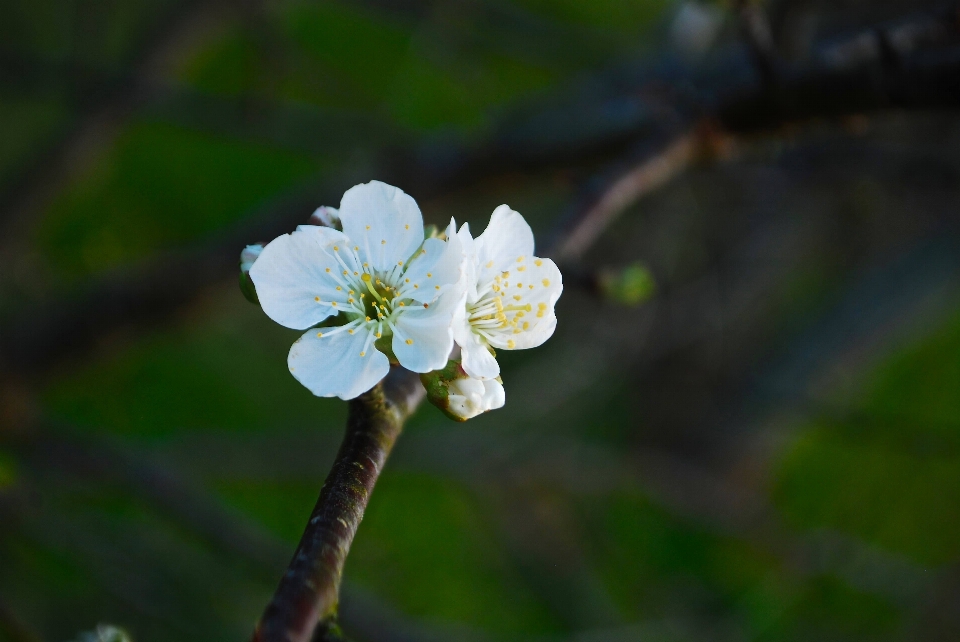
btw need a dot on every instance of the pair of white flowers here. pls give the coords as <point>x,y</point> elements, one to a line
<point>377,292</point>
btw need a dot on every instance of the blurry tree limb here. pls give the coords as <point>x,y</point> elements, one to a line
<point>309,592</point>
<point>910,65</point>
<point>914,64</point>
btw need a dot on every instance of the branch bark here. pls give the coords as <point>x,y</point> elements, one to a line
<point>304,607</point>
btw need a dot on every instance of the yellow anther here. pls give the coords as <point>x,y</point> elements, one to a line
<point>317,299</point>
<point>429,275</point>
<point>366,265</point>
<point>402,304</point>
<point>511,344</point>
<point>506,275</point>
<point>365,277</point>
<point>319,334</point>
<point>542,306</point>
<point>350,331</point>
<point>519,285</point>
<point>436,287</point>
<point>521,268</point>
<point>368,318</point>
<point>406,227</point>
<point>356,248</point>
<point>339,288</point>
<point>350,300</point>
<point>399,262</point>
<point>519,259</point>
<point>406,280</point>
<point>377,335</point>
<point>538,262</point>
<point>416,286</point>
<point>496,288</point>
<point>409,342</point>
<point>526,325</point>
<point>345,273</point>
<point>363,354</point>
<point>355,273</point>
<point>368,227</point>
<point>334,304</point>
<point>517,297</point>
<point>531,286</point>
<point>336,248</point>
<point>540,314</point>
<point>328,269</point>
<point>520,313</point>
<point>490,264</point>
<point>383,242</point>
<point>546,283</point>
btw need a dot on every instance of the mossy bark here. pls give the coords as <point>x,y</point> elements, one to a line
<point>305,603</point>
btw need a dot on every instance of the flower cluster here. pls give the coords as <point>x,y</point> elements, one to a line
<point>370,290</point>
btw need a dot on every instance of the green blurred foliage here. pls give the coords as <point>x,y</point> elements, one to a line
<point>161,184</point>
<point>27,127</point>
<point>204,377</point>
<point>427,532</point>
<point>890,473</point>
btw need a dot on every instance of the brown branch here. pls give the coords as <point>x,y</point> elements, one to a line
<point>646,176</point>
<point>307,597</point>
<point>911,65</point>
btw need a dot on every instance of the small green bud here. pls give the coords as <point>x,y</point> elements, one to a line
<point>458,395</point>
<point>247,258</point>
<point>630,286</point>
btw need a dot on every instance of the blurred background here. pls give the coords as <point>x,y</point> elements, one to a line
<point>747,426</point>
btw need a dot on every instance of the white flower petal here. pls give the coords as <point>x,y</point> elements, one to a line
<point>383,221</point>
<point>476,358</point>
<point>291,273</point>
<point>469,247</point>
<point>538,285</point>
<point>423,339</point>
<point>331,365</point>
<point>438,265</point>
<point>507,238</point>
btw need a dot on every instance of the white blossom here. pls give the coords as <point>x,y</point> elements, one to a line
<point>510,295</point>
<point>377,279</point>
<point>469,397</point>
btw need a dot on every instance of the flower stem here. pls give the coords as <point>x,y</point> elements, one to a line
<point>307,597</point>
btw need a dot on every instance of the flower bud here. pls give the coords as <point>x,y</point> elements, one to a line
<point>460,396</point>
<point>327,217</point>
<point>247,258</point>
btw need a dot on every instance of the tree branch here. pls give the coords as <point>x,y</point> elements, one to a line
<point>308,594</point>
